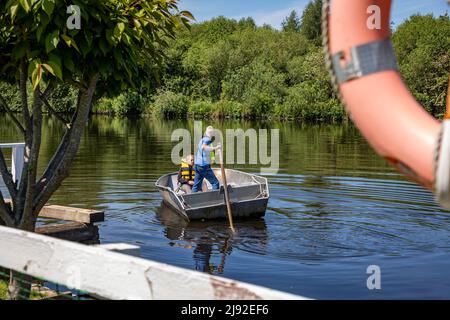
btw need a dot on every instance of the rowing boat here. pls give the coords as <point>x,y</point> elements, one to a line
<point>249,195</point>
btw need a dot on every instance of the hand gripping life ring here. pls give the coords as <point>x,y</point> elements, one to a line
<point>363,66</point>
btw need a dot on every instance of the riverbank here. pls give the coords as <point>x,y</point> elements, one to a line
<point>170,105</point>
<point>218,111</point>
<point>332,112</point>
<point>3,290</point>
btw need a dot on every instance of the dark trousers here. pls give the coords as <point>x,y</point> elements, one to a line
<point>204,172</point>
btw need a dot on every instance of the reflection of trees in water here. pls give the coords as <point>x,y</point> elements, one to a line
<point>138,151</point>
<point>328,149</point>
<point>112,142</point>
<point>212,238</point>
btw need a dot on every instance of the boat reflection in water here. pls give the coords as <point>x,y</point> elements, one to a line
<point>212,240</point>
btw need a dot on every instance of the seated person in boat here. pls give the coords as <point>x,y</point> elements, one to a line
<point>186,175</point>
<point>203,162</point>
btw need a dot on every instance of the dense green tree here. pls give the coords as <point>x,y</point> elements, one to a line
<point>215,29</point>
<point>311,21</point>
<point>291,23</point>
<point>247,23</point>
<point>170,105</point>
<point>258,86</point>
<point>422,45</point>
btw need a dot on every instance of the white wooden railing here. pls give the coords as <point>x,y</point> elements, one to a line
<point>18,151</point>
<point>113,275</point>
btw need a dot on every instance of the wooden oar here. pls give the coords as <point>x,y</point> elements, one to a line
<point>225,185</point>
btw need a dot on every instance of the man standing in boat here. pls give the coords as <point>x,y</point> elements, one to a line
<point>203,162</point>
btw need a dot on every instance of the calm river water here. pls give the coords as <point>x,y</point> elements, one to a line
<point>335,209</point>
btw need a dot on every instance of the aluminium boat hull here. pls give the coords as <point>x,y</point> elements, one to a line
<point>249,196</point>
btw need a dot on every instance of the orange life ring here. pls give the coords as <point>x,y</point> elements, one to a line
<point>363,66</point>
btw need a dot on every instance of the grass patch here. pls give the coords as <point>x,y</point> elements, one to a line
<point>3,290</point>
<point>35,294</point>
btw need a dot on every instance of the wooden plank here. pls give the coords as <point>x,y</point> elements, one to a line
<point>113,275</point>
<point>70,213</point>
<point>72,231</point>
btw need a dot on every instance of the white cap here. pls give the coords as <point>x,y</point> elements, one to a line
<point>209,131</point>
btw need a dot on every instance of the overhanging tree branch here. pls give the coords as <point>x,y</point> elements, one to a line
<point>11,114</point>
<point>59,154</point>
<point>53,112</point>
<point>60,164</point>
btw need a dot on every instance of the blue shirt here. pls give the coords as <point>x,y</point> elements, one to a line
<point>203,158</point>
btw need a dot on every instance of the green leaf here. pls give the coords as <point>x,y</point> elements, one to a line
<point>104,46</point>
<point>104,68</point>
<point>85,47</point>
<point>110,37</point>
<point>13,11</point>
<point>68,63</point>
<point>44,19</point>
<point>48,6</point>
<point>35,72</point>
<point>127,39</point>
<point>118,57</point>
<point>40,30</point>
<point>25,5</point>
<point>187,14</point>
<point>55,63</point>
<point>31,66</point>
<point>70,42</point>
<point>121,27</point>
<point>20,50</point>
<point>137,24</point>
<point>36,76</point>
<point>118,30</point>
<point>186,23</point>
<point>49,68</point>
<point>51,41</point>
<point>89,37</point>
<point>33,54</point>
